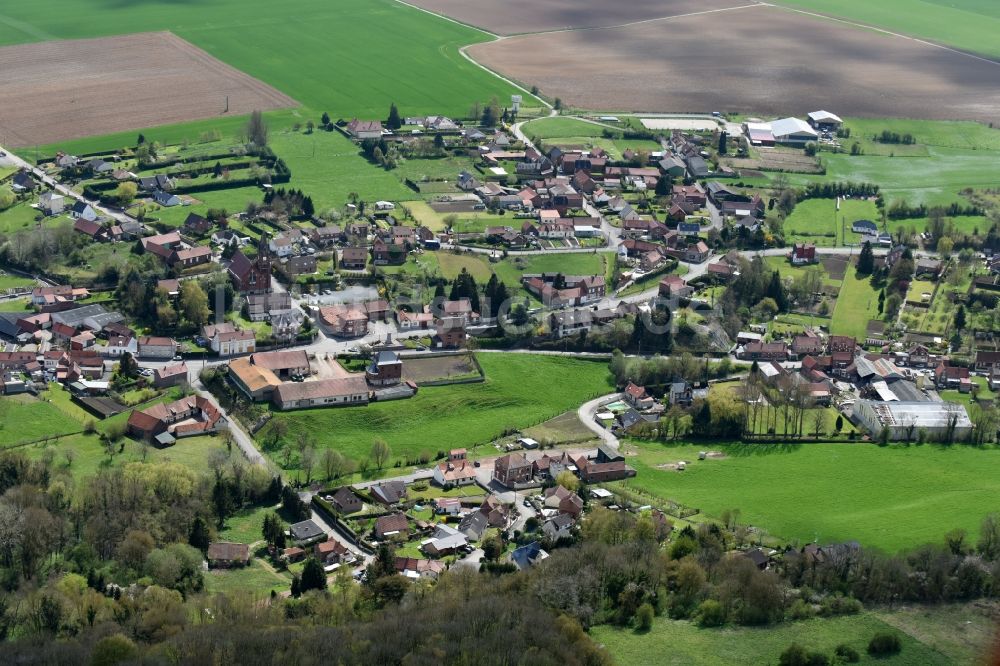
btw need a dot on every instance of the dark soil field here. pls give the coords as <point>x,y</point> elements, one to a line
<point>512,17</point>
<point>439,368</point>
<point>758,60</point>
<point>59,90</point>
<point>835,265</point>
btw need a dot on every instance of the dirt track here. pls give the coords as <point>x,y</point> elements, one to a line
<point>760,60</point>
<point>512,17</point>
<point>53,91</point>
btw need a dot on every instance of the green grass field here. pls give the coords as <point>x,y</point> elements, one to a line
<point>890,498</point>
<point>328,165</point>
<point>969,25</point>
<point>819,222</point>
<point>564,131</point>
<point>257,579</point>
<point>313,51</point>
<point>8,281</point>
<point>948,157</point>
<point>24,418</point>
<point>571,263</point>
<point>520,390</point>
<point>856,305</point>
<point>561,128</point>
<point>21,217</point>
<point>672,642</point>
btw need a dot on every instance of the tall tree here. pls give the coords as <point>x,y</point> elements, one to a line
<point>199,536</point>
<point>256,129</point>
<point>776,290</point>
<point>723,138</point>
<point>960,318</point>
<point>394,122</point>
<point>194,302</point>
<point>313,576</point>
<point>866,260</point>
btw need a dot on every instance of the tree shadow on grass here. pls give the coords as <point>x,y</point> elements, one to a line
<point>746,449</point>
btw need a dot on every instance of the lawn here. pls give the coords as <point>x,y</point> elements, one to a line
<point>934,179</point>
<point>856,305</point>
<point>891,498</point>
<point>329,166</point>
<point>452,264</point>
<point>819,222</point>
<point>257,579</point>
<point>563,429</point>
<point>315,53</point>
<point>25,418</point>
<point>13,305</point>
<point>570,263</point>
<point>232,201</point>
<point>21,217</point>
<point>564,131</point>
<point>246,525</point>
<point>969,25</point>
<point>680,642</point>
<point>519,392</point>
<point>561,127</point>
<point>8,281</point>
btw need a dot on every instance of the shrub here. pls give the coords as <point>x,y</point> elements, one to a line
<point>884,645</point>
<point>847,654</point>
<point>710,613</point>
<point>840,605</point>
<point>644,617</point>
<point>796,655</point>
<point>801,610</point>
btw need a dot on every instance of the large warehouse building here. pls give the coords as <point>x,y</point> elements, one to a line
<point>905,420</point>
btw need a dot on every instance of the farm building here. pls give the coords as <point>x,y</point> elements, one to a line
<point>321,393</point>
<point>904,420</point>
<point>793,131</point>
<point>759,134</point>
<point>824,121</point>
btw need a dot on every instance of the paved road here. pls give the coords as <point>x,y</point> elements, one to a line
<point>239,436</point>
<point>586,415</point>
<point>417,475</point>
<point>62,189</point>
<point>363,559</point>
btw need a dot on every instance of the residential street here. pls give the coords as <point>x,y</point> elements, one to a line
<point>62,189</point>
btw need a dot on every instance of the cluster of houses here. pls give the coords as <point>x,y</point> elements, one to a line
<point>165,423</point>
<point>893,391</point>
<point>515,471</point>
<point>67,341</point>
<point>286,379</point>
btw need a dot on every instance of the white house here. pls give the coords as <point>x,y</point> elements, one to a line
<point>118,345</point>
<point>51,203</point>
<point>226,340</point>
<point>281,246</point>
<point>83,211</point>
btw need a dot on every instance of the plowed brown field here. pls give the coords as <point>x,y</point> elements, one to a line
<point>512,17</point>
<point>53,91</point>
<point>760,60</point>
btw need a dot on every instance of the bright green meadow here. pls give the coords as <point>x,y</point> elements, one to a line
<point>891,498</point>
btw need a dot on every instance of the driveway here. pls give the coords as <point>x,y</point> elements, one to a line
<point>586,414</point>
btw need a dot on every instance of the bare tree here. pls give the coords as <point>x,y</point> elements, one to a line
<point>332,463</point>
<point>380,453</point>
<point>818,421</point>
<point>307,461</point>
<point>256,129</point>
